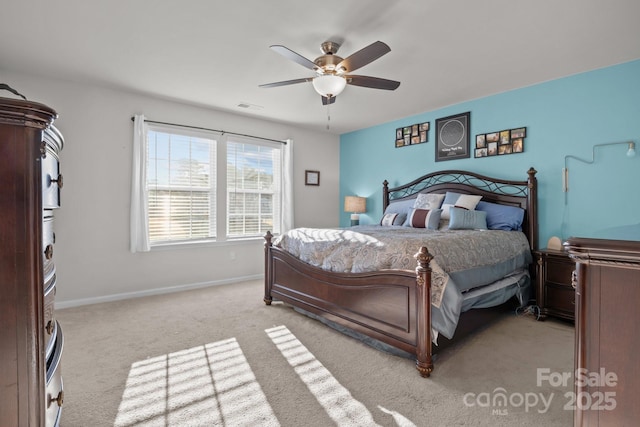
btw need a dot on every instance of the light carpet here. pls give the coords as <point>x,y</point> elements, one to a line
<point>219,356</point>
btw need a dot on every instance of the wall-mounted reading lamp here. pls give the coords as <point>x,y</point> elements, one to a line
<point>631,152</point>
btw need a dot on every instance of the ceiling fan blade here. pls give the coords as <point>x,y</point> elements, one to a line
<point>326,100</point>
<point>364,56</point>
<point>287,82</point>
<point>295,57</point>
<point>372,82</point>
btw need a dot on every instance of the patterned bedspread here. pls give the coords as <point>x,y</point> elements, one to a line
<point>372,247</point>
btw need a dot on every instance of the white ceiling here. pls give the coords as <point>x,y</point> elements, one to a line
<point>215,53</point>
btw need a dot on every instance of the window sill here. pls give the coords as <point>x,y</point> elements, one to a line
<point>205,243</point>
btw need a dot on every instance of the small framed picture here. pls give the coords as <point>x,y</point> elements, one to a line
<point>311,177</point>
<point>492,149</point>
<point>504,149</point>
<point>505,137</point>
<point>493,137</point>
<point>481,152</point>
<point>517,144</point>
<point>518,133</point>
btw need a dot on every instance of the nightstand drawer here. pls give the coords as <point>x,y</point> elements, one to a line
<point>561,298</point>
<point>559,271</point>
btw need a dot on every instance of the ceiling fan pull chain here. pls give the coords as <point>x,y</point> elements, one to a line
<point>328,115</point>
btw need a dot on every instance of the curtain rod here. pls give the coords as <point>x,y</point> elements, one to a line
<point>211,130</point>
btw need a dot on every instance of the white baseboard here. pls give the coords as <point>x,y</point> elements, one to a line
<point>157,291</point>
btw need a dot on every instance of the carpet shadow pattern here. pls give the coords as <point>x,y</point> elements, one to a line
<point>207,385</point>
<point>213,385</point>
<point>136,362</point>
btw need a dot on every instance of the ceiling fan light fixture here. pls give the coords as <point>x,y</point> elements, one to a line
<point>329,85</point>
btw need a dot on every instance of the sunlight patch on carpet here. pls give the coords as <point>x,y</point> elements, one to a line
<point>334,398</point>
<point>211,384</point>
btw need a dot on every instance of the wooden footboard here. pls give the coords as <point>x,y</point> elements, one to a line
<point>392,306</point>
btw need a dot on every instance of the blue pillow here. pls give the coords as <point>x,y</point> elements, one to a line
<point>464,219</point>
<point>502,217</point>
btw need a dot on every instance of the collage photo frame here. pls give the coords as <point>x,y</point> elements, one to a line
<point>508,141</point>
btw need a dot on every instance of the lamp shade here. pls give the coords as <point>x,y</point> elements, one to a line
<point>329,85</point>
<point>355,204</point>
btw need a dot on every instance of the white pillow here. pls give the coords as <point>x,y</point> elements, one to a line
<point>466,201</point>
<point>428,201</point>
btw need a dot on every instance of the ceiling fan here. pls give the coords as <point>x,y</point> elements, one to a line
<point>332,71</point>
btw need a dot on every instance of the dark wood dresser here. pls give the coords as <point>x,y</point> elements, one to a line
<point>30,338</point>
<point>607,338</point>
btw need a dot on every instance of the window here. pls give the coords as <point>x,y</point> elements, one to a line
<point>203,186</point>
<point>181,187</point>
<point>252,193</point>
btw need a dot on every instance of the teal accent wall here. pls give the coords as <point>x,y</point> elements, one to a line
<point>567,116</point>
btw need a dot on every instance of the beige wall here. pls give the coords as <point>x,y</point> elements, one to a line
<point>92,228</point>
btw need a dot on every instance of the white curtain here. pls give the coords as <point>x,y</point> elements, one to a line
<point>139,241</point>
<point>287,187</point>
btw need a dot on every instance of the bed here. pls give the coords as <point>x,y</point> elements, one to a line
<point>407,306</point>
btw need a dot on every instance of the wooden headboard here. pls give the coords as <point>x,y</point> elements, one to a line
<point>523,194</point>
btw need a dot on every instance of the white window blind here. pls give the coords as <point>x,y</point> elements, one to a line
<point>254,187</point>
<point>181,186</point>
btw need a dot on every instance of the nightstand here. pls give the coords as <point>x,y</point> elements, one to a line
<point>555,295</point>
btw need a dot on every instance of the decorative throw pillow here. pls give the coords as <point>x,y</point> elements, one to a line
<point>466,201</point>
<point>393,218</point>
<point>502,217</point>
<point>463,219</point>
<point>402,207</point>
<point>425,218</point>
<point>387,219</point>
<point>428,201</point>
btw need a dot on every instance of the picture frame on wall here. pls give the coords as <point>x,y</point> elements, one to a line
<point>311,177</point>
<point>508,141</point>
<point>417,133</point>
<point>452,137</point>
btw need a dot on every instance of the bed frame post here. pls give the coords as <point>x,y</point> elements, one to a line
<point>532,203</point>
<point>424,362</point>
<point>267,268</point>
<point>385,195</point>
